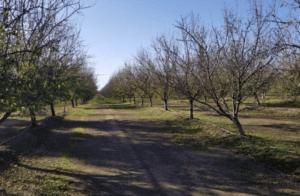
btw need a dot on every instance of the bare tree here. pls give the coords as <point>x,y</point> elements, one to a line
<point>128,81</point>
<point>231,59</point>
<point>144,74</point>
<point>261,83</point>
<point>285,22</point>
<point>186,70</point>
<point>163,66</point>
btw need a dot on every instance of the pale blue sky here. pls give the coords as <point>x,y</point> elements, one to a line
<point>114,30</point>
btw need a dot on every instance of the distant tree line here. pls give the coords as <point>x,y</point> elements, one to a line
<point>42,59</point>
<point>242,58</point>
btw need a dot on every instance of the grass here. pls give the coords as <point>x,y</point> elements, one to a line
<point>103,100</point>
<point>80,112</point>
<point>48,180</point>
<point>276,154</point>
<point>266,145</point>
<point>44,175</point>
<point>282,103</point>
<point>56,183</point>
<point>32,182</point>
<point>185,132</point>
<point>272,148</point>
<point>77,112</point>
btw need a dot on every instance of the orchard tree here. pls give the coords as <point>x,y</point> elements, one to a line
<point>80,76</point>
<point>261,83</point>
<point>231,59</point>
<point>26,28</point>
<point>115,87</point>
<point>145,76</point>
<point>285,26</point>
<point>186,70</point>
<point>290,76</point>
<point>54,64</point>
<point>163,66</point>
<point>129,82</point>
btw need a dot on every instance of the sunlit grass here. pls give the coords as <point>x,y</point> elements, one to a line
<point>266,146</point>
<point>103,100</point>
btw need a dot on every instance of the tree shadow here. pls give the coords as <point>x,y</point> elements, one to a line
<point>285,104</point>
<point>29,140</point>
<point>263,150</point>
<point>14,122</point>
<point>136,158</point>
<point>96,108</point>
<point>285,127</point>
<point>95,184</point>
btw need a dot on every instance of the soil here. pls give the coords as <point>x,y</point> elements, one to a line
<point>120,154</point>
<point>11,127</point>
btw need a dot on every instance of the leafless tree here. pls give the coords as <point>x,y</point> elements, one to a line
<point>128,79</point>
<point>231,59</point>
<point>163,66</point>
<point>144,74</point>
<point>285,22</point>
<point>261,83</point>
<point>186,70</point>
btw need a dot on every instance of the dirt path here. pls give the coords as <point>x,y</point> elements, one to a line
<point>119,154</point>
<point>128,156</point>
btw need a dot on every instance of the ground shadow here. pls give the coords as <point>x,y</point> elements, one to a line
<point>135,158</point>
<point>285,127</point>
<point>285,104</point>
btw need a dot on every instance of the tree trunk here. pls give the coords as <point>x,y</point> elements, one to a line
<point>72,100</point>
<point>166,104</point>
<point>65,107</point>
<point>256,99</point>
<point>205,98</point>
<point>76,101</point>
<point>129,99</point>
<point>263,95</point>
<point>4,117</point>
<point>237,123</point>
<point>52,109</point>
<point>134,100</point>
<point>142,100</point>
<point>33,119</point>
<point>191,108</point>
<point>123,99</point>
<point>150,99</point>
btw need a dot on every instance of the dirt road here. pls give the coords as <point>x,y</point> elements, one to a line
<point>127,156</point>
<point>117,153</point>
